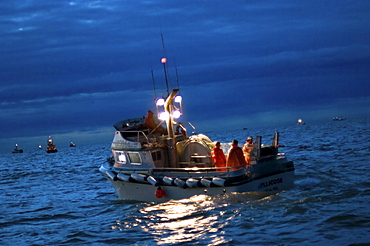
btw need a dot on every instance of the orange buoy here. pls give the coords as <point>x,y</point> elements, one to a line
<point>159,193</point>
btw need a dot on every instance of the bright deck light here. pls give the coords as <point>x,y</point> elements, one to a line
<point>176,114</point>
<point>160,102</point>
<point>164,116</point>
<point>178,99</point>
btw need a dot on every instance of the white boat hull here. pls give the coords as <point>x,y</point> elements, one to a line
<point>146,192</point>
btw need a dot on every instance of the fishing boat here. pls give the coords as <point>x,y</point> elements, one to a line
<point>155,159</point>
<point>72,144</point>
<point>157,162</point>
<point>300,122</point>
<point>16,150</point>
<point>338,118</point>
<point>51,148</point>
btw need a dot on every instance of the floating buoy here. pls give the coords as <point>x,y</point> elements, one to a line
<point>159,193</point>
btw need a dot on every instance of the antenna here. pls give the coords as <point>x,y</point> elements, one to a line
<point>153,80</point>
<point>155,93</point>
<point>177,76</point>
<point>164,62</point>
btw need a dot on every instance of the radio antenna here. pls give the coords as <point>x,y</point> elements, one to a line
<point>155,93</point>
<point>177,75</point>
<point>164,62</point>
<point>153,80</point>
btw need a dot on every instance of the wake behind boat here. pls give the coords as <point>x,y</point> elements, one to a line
<point>159,162</point>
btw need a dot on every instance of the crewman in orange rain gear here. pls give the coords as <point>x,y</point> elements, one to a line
<point>149,123</point>
<point>218,157</point>
<point>235,157</point>
<point>248,147</point>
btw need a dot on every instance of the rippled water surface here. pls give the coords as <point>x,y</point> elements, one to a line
<point>62,199</point>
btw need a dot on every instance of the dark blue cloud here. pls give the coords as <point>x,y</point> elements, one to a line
<point>80,66</point>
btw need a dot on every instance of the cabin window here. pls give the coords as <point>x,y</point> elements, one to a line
<point>121,157</point>
<point>134,158</point>
<point>156,156</point>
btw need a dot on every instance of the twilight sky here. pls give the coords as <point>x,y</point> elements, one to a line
<point>71,69</point>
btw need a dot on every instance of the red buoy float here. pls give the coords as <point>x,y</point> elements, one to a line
<point>159,193</point>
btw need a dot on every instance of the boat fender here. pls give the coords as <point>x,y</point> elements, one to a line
<point>159,192</point>
<point>168,180</point>
<point>219,182</point>
<point>180,183</point>
<point>139,177</point>
<point>111,175</point>
<point>125,177</point>
<point>153,181</point>
<point>207,183</point>
<point>193,183</point>
<point>102,169</point>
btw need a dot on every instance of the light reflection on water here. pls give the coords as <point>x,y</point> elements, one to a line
<point>184,220</point>
<point>197,218</point>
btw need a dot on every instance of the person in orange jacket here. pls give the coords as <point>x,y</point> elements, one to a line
<point>247,149</point>
<point>235,157</point>
<point>218,157</point>
<point>150,123</point>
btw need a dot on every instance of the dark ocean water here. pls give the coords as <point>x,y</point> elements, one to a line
<point>62,199</point>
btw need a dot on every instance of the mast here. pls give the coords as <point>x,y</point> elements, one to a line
<point>155,93</point>
<point>177,79</point>
<point>168,107</point>
<point>164,62</point>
